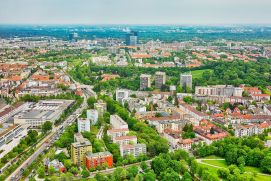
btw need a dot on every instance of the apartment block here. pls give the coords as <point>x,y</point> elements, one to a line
<point>121,94</point>
<point>160,79</point>
<point>145,81</point>
<point>134,150</point>
<point>100,106</point>
<point>186,80</point>
<point>83,125</point>
<point>125,140</point>
<point>117,132</point>
<point>117,122</point>
<point>92,115</point>
<point>98,159</point>
<point>79,149</point>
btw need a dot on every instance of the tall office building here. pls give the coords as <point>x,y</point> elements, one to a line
<point>145,81</point>
<point>73,36</point>
<point>186,80</point>
<point>131,38</point>
<point>160,79</point>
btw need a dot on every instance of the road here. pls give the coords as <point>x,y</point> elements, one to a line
<point>48,141</point>
<point>100,133</point>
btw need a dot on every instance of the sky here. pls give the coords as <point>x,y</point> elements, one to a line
<point>135,12</point>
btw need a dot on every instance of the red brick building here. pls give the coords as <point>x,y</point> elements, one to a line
<point>98,159</point>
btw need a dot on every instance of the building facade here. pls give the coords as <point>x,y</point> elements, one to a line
<point>145,81</point>
<point>160,79</point>
<point>83,125</point>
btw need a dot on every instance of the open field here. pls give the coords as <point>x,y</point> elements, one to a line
<point>198,73</point>
<point>222,164</point>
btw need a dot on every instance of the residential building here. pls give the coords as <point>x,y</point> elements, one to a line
<point>219,90</point>
<point>209,132</point>
<point>98,159</point>
<point>92,115</point>
<point>186,144</point>
<point>121,94</point>
<point>79,148</point>
<point>117,123</point>
<point>195,114</point>
<point>113,133</point>
<point>57,165</point>
<point>100,106</point>
<point>83,125</point>
<point>160,79</point>
<point>145,81</point>
<point>125,140</point>
<point>186,80</point>
<point>135,150</point>
<point>251,129</point>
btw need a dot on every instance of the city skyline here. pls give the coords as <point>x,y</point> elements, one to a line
<point>205,12</point>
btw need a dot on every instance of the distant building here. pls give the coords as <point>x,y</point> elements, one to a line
<point>98,159</point>
<point>160,79</point>
<point>45,110</point>
<point>121,94</point>
<point>79,148</point>
<point>131,38</point>
<point>186,80</point>
<point>73,36</point>
<point>8,132</point>
<point>100,106</point>
<point>117,122</point>
<point>92,115</point>
<point>145,81</point>
<point>219,90</point>
<point>117,132</point>
<point>83,125</point>
<point>125,140</point>
<point>134,150</point>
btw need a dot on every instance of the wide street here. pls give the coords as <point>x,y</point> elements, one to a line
<point>48,141</point>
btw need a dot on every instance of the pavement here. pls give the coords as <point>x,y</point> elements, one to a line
<point>100,133</point>
<point>47,142</point>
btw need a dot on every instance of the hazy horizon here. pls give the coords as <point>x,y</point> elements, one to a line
<point>139,12</point>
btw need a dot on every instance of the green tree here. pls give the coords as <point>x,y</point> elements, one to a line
<point>47,126</point>
<point>187,177</point>
<point>85,173</point>
<point>266,164</point>
<point>41,172</point>
<point>91,101</point>
<point>51,170</point>
<point>150,176</point>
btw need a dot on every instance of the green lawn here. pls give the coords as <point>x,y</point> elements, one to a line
<point>198,73</point>
<point>222,163</point>
<point>212,157</point>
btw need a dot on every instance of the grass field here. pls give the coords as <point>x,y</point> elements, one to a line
<point>219,163</point>
<point>212,157</point>
<point>222,163</point>
<point>198,73</point>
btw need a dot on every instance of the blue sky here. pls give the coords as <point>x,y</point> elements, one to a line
<point>135,12</point>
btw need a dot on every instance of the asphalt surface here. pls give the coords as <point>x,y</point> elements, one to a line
<point>47,142</point>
